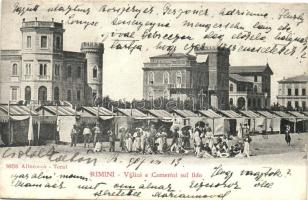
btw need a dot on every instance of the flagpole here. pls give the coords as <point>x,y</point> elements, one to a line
<point>57,116</point>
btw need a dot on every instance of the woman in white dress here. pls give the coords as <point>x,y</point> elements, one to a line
<point>129,141</point>
<point>137,140</point>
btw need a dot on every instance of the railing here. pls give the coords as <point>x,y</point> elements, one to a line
<point>42,24</point>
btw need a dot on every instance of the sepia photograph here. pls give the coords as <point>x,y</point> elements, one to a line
<point>153,100</point>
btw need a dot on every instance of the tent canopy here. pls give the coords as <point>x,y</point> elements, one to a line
<point>17,110</point>
<point>298,114</point>
<point>185,113</point>
<point>267,114</point>
<point>250,114</point>
<point>134,113</point>
<point>161,114</point>
<point>210,113</point>
<point>60,110</point>
<point>231,114</point>
<point>97,110</point>
<point>283,114</point>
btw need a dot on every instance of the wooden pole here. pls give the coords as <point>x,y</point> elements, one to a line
<point>9,124</point>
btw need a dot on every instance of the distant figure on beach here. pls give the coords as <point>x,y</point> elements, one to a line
<point>287,135</point>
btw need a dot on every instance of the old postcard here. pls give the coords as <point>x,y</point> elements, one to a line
<point>153,100</point>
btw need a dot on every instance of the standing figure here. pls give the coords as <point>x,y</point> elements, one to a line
<point>143,139</point>
<point>174,142</point>
<point>197,140</point>
<point>129,141</point>
<point>86,136</point>
<point>287,136</point>
<point>122,138</point>
<point>137,140</point>
<point>74,135</point>
<point>112,138</point>
<point>97,134</point>
<point>246,151</point>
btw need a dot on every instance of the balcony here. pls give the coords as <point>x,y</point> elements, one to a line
<point>43,77</point>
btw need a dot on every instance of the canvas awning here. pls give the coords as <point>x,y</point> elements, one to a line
<point>17,110</point>
<point>298,114</point>
<point>283,114</point>
<point>267,114</point>
<point>135,114</point>
<point>185,113</point>
<point>60,110</point>
<point>231,114</point>
<point>210,113</point>
<point>161,114</point>
<point>97,111</point>
<point>250,114</point>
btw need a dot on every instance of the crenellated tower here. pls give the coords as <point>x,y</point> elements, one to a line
<point>94,69</point>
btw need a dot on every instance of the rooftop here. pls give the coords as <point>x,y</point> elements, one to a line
<point>239,78</point>
<point>249,69</point>
<point>299,78</point>
<point>175,55</point>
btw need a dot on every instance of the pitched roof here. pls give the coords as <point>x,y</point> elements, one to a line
<point>162,114</point>
<point>267,114</point>
<point>298,114</point>
<point>185,113</point>
<point>61,110</point>
<point>132,112</point>
<point>250,113</point>
<point>239,78</point>
<point>299,78</point>
<point>249,69</point>
<point>95,111</point>
<point>231,114</point>
<point>175,55</point>
<point>17,110</point>
<point>209,113</point>
<point>283,114</point>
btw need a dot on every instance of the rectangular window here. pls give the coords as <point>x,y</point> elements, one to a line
<point>79,72</point>
<point>28,69</point>
<point>296,91</point>
<point>296,104</point>
<point>78,95</point>
<point>303,92</point>
<point>43,69</point>
<point>289,104</point>
<point>255,78</point>
<point>69,95</point>
<point>57,69</point>
<point>28,42</point>
<point>304,105</point>
<point>14,94</point>
<point>69,71</point>
<point>14,70</point>
<point>44,41</point>
<point>289,92</point>
<point>58,42</point>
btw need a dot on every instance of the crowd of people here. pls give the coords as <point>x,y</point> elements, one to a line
<point>149,140</point>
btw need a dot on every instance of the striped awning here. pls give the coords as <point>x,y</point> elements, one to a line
<point>209,113</point>
<point>185,113</point>
<point>61,110</point>
<point>161,114</point>
<point>268,114</point>
<point>134,113</point>
<point>298,114</point>
<point>250,114</point>
<point>17,110</point>
<point>231,114</point>
<point>97,110</point>
<point>283,114</point>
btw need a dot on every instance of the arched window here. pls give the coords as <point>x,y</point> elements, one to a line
<point>254,103</point>
<point>78,72</point>
<point>178,79</point>
<point>58,42</point>
<point>231,87</point>
<point>255,89</point>
<point>28,93</point>
<point>14,70</point>
<point>42,93</point>
<point>166,94</point>
<point>56,94</point>
<point>95,71</point>
<point>150,94</point>
<point>151,78</point>
<point>69,71</point>
<point>43,69</point>
<point>231,101</point>
<point>166,78</point>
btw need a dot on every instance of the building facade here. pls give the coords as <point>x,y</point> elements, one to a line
<point>42,71</point>
<point>250,87</point>
<point>292,92</point>
<point>203,78</point>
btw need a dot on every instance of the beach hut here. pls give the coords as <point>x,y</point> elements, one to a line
<point>185,117</point>
<point>15,126</point>
<point>255,120</point>
<point>215,121</point>
<point>65,117</point>
<point>233,122</point>
<point>301,121</point>
<point>272,122</point>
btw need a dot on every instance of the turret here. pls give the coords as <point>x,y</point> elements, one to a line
<point>94,55</point>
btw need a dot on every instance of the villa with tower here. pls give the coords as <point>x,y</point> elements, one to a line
<point>41,71</point>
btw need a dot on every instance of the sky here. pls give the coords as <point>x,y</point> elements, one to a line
<point>122,71</point>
